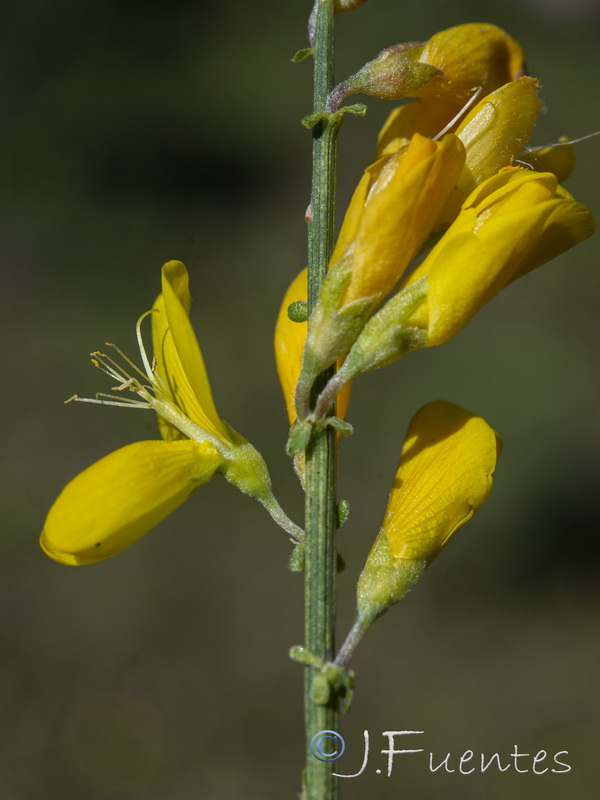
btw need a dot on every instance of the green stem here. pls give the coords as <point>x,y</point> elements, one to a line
<point>321,558</point>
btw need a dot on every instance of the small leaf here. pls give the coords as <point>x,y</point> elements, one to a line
<point>343,509</point>
<point>299,437</point>
<point>358,109</point>
<point>313,119</point>
<point>302,54</point>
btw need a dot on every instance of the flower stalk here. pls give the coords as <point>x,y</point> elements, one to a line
<point>320,521</point>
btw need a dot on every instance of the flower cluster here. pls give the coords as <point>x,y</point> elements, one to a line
<point>454,181</point>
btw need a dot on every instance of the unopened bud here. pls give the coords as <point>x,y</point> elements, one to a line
<point>444,476</point>
<point>392,74</point>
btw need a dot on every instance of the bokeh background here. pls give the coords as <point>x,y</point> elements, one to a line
<point>133,133</point>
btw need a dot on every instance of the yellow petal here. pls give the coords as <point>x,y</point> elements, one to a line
<point>289,347</point>
<point>160,345</point>
<point>567,224</point>
<point>111,504</point>
<point>424,116</point>
<point>399,213</point>
<point>558,159</point>
<point>471,56</point>
<point>497,129</point>
<point>289,342</point>
<point>179,359</point>
<point>444,476</point>
<point>493,134</point>
<point>354,212</point>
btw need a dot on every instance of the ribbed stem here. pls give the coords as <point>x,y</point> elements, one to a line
<point>321,558</point>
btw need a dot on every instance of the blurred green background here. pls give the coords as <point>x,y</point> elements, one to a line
<point>134,133</point>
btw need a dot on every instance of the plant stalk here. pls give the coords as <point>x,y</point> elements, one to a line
<point>320,525</point>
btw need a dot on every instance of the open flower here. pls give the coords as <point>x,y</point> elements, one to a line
<point>443,478</point>
<point>117,500</point>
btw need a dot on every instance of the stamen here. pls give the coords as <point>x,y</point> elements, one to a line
<point>560,144</point>
<point>106,368</point>
<point>125,403</point>
<point>524,164</point>
<point>130,384</point>
<point>128,360</point>
<point>465,108</point>
<point>138,331</point>
<point>128,400</point>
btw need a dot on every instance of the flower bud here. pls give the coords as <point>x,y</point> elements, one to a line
<point>444,476</point>
<point>394,73</point>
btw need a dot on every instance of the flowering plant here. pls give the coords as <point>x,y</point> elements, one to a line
<point>455,207</point>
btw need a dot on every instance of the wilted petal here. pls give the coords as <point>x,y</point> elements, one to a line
<point>113,503</point>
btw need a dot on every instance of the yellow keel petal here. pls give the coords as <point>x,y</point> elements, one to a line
<point>444,476</point>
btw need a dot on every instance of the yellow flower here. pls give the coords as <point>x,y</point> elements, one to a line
<point>392,212</point>
<point>514,222</point>
<point>444,476</point>
<point>110,505</point>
